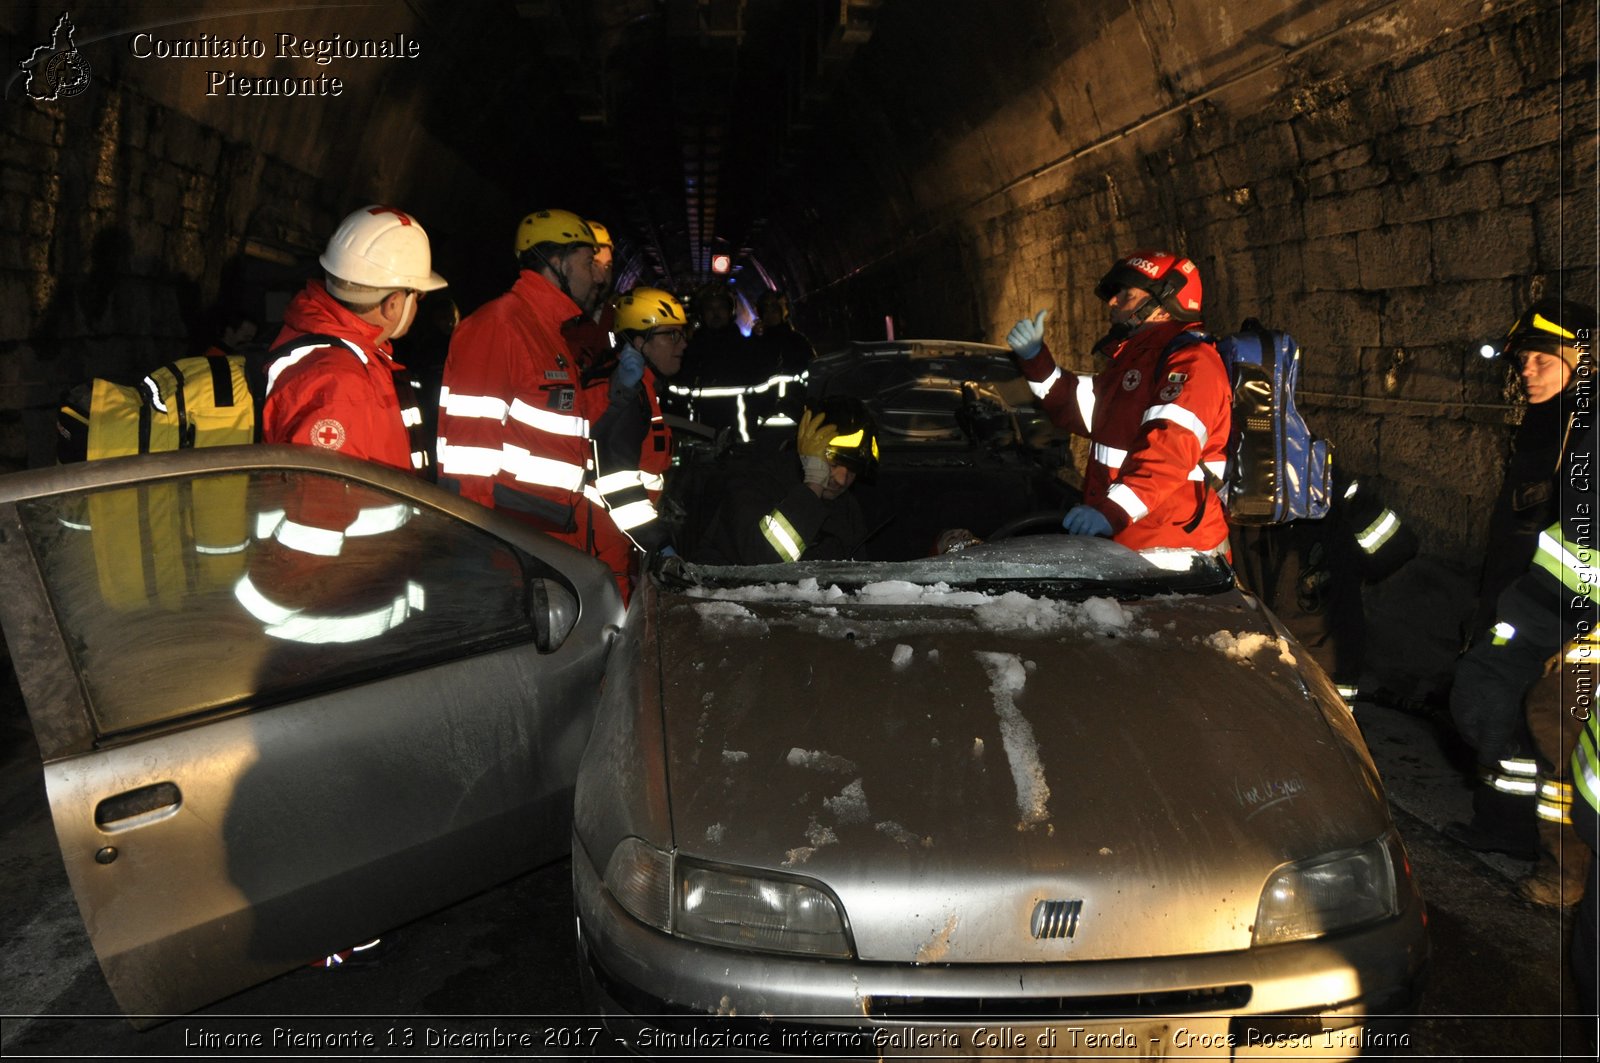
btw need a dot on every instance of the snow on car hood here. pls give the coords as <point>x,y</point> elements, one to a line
<point>943,759</point>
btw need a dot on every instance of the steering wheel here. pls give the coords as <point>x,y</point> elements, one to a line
<point>1039,522</point>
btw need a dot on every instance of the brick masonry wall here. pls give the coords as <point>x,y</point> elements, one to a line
<point>117,219</point>
<point>1391,199</point>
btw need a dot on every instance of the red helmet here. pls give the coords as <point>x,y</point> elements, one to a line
<point>1172,281</point>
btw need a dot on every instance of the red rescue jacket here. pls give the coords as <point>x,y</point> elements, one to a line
<point>1151,435</point>
<point>314,570</point>
<point>336,397</point>
<point>512,431</point>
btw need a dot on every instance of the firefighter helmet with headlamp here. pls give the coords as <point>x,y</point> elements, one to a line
<point>644,309</point>
<point>854,443</point>
<point>1172,281</point>
<point>380,247</point>
<point>1554,326</point>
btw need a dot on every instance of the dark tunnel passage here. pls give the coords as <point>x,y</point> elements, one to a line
<point>1391,181</point>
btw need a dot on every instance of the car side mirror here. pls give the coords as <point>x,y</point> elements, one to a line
<point>554,612</point>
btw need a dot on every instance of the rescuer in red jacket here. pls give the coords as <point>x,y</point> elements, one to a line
<point>334,384</point>
<point>513,433</point>
<point>346,395</point>
<point>1157,416</point>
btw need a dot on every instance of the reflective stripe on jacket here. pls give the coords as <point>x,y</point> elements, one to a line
<point>1572,564</point>
<point>633,449</point>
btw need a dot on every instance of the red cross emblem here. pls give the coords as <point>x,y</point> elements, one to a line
<point>327,433</point>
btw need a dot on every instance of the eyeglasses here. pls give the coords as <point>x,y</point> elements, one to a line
<point>671,335</point>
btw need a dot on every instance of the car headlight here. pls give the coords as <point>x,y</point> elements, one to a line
<point>751,911</point>
<point>1331,892</point>
<point>725,906</point>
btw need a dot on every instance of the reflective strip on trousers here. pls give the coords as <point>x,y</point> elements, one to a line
<point>1514,775</point>
<point>1555,801</point>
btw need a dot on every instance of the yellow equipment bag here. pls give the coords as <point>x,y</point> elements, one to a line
<point>162,542</point>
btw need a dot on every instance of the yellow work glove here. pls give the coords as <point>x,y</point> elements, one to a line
<point>812,442</point>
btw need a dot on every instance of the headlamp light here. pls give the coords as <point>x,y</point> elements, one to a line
<point>854,449</point>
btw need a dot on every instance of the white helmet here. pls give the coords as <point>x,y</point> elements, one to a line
<point>381,247</point>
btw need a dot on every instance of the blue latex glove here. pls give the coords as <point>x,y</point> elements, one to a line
<point>667,551</point>
<point>1027,336</point>
<point>1086,520</point>
<point>629,371</point>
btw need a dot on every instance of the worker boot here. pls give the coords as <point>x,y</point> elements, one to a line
<point>1501,823</point>
<point>1558,878</point>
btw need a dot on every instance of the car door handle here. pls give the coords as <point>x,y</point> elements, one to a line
<point>135,808</point>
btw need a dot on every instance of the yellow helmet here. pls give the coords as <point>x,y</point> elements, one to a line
<point>646,308</point>
<point>553,227</point>
<point>602,235</point>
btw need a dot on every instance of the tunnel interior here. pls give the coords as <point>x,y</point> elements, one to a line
<point>1391,181</point>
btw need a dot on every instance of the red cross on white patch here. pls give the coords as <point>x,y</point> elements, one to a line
<point>327,433</point>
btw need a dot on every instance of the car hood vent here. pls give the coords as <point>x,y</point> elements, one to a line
<point>1055,919</point>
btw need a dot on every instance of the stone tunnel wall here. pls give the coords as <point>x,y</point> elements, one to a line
<point>1392,197</point>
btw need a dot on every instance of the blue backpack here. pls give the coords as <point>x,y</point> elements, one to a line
<point>1277,470</point>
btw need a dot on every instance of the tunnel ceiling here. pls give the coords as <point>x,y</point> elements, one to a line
<point>674,121</point>
<point>792,134</point>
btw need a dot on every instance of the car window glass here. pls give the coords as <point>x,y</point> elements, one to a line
<point>244,589</point>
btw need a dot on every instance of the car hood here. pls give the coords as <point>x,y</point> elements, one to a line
<point>943,762</point>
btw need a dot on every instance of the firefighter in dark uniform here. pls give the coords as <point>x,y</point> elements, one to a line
<point>1544,512</point>
<point>780,520</point>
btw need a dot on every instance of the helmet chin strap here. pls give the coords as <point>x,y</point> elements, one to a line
<point>1122,330</point>
<point>1141,313</point>
<point>409,315</point>
<point>561,275</point>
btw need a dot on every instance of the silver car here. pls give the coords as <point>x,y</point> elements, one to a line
<point>288,700</point>
<point>1043,795</point>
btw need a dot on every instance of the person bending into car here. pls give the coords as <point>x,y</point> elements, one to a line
<point>632,443</point>
<point>816,519</point>
<point>1157,416</point>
